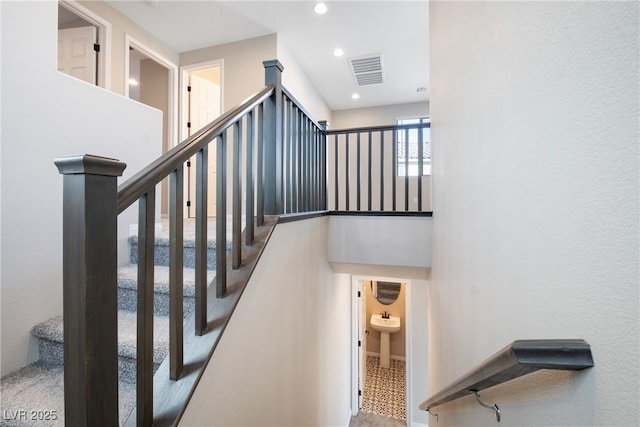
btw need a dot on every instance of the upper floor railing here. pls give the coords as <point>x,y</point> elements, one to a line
<point>272,157</point>
<point>380,169</point>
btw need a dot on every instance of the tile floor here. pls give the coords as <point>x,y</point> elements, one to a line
<point>385,389</point>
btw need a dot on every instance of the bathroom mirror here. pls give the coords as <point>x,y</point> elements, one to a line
<point>386,292</point>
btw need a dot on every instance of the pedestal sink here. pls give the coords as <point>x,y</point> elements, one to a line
<point>385,326</point>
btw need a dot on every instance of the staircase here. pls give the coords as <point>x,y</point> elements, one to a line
<point>34,394</point>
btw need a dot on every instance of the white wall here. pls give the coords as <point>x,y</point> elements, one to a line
<point>380,240</point>
<point>121,26</point>
<point>373,116</point>
<point>284,357</point>
<point>299,85</point>
<point>45,115</point>
<point>534,112</point>
<point>242,70</point>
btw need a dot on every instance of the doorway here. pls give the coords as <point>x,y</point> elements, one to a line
<point>381,386</point>
<point>152,80</point>
<point>82,47</point>
<point>202,103</point>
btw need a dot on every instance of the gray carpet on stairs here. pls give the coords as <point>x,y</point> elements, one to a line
<point>36,391</point>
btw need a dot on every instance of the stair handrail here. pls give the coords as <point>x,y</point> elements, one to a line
<point>136,186</point>
<point>519,358</point>
<point>92,202</point>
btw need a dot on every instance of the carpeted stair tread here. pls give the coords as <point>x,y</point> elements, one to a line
<point>162,252</point>
<point>128,279</point>
<point>53,330</point>
<point>187,242</point>
<point>40,387</point>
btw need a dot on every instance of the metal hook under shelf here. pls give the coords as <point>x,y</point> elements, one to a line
<point>493,407</point>
<point>433,413</point>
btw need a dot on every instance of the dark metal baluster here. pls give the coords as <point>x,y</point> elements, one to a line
<point>346,172</point>
<point>249,208</point>
<point>176,266</point>
<point>308,143</point>
<point>202,178</point>
<point>295,160</point>
<point>382,170</point>
<point>303,163</point>
<point>369,175</point>
<point>324,155</point>
<point>335,171</point>
<point>420,166</point>
<point>291,203</point>
<point>146,244</point>
<point>358,183</point>
<point>260,168</point>
<point>406,169</point>
<point>286,140</point>
<point>236,216</point>
<point>314,168</point>
<point>221,216</point>
<point>394,170</point>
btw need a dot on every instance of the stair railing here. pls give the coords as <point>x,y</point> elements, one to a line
<point>279,138</point>
<point>286,172</point>
<point>380,169</point>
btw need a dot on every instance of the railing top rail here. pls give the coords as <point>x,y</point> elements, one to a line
<point>378,128</point>
<point>136,186</point>
<point>300,107</point>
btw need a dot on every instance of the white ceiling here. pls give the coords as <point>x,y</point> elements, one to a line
<point>398,30</point>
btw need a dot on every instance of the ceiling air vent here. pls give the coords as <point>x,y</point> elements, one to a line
<point>367,70</point>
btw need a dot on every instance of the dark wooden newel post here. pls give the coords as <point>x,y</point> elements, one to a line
<point>90,289</point>
<point>273,172</point>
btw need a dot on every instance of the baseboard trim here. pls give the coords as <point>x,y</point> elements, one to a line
<point>373,353</point>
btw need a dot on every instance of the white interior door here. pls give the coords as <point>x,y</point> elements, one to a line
<point>204,107</point>
<point>76,55</point>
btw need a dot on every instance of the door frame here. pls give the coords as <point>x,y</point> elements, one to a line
<point>131,42</point>
<point>172,92</point>
<point>104,38</point>
<point>185,70</point>
<point>357,321</point>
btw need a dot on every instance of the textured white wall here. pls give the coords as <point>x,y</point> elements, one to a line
<point>380,240</point>
<point>284,357</point>
<point>374,116</point>
<point>298,83</point>
<point>242,71</point>
<point>534,108</point>
<point>45,115</point>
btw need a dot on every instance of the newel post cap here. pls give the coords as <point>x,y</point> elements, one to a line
<point>89,164</point>
<point>273,63</point>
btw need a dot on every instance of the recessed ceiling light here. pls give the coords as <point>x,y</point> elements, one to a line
<point>355,96</point>
<point>133,82</point>
<point>320,8</point>
<point>338,52</point>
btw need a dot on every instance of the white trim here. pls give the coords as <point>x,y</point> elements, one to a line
<point>104,39</point>
<point>172,131</point>
<point>184,74</point>
<point>355,323</point>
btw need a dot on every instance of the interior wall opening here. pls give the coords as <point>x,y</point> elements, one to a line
<point>78,45</point>
<point>202,103</point>
<point>381,362</point>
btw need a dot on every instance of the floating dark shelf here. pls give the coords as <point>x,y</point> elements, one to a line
<point>519,358</point>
